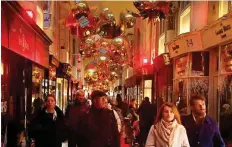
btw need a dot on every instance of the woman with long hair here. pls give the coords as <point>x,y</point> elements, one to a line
<point>167,130</point>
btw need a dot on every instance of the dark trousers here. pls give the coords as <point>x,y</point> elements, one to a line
<point>72,139</point>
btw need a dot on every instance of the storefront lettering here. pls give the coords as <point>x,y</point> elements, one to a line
<point>22,41</point>
<point>166,59</point>
<point>222,30</point>
<point>175,47</point>
<point>189,42</point>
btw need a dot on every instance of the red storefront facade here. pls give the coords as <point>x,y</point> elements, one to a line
<point>24,60</point>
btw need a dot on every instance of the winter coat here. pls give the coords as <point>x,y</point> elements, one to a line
<point>46,131</point>
<point>206,135</point>
<point>180,138</point>
<point>100,128</point>
<point>74,114</point>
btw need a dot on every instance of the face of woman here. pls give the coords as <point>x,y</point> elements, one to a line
<point>168,114</point>
<point>51,103</point>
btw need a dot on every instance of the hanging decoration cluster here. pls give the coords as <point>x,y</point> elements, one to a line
<point>152,9</point>
<point>102,38</point>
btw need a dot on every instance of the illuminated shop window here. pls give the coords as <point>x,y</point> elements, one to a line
<point>148,89</point>
<point>161,45</point>
<point>185,21</point>
<point>223,8</point>
<point>39,18</point>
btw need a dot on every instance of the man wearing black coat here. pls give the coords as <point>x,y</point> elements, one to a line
<point>99,126</point>
<point>74,113</point>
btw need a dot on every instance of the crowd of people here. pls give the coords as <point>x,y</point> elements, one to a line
<point>106,121</point>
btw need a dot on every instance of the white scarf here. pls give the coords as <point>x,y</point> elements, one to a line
<point>54,114</point>
<point>165,132</point>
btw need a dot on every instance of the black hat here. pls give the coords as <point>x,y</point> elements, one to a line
<point>97,93</point>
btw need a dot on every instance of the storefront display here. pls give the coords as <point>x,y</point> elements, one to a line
<point>39,83</point>
<point>225,78</point>
<point>190,78</point>
<point>63,87</point>
<point>148,89</point>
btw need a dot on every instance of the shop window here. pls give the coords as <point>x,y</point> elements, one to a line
<point>225,86</point>
<point>161,44</point>
<point>230,5</point>
<point>181,68</point>
<point>185,21</point>
<point>184,5</point>
<point>37,83</point>
<point>162,26</point>
<point>39,17</point>
<point>180,94</point>
<point>225,90</point>
<point>148,89</point>
<point>223,8</point>
<point>200,64</point>
<point>226,58</point>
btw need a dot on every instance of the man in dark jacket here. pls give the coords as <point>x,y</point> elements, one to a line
<point>122,105</point>
<point>147,113</point>
<point>74,112</point>
<point>100,126</point>
<point>201,129</point>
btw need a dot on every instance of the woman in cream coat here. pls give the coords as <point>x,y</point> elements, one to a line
<point>167,130</point>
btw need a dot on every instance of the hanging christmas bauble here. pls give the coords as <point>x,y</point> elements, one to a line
<point>80,9</point>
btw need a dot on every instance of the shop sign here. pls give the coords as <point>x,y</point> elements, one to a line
<point>176,47</point>
<point>42,52</point>
<point>21,38</point>
<point>166,58</point>
<point>47,20</point>
<point>54,61</point>
<point>4,30</point>
<point>218,33</point>
<point>193,41</point>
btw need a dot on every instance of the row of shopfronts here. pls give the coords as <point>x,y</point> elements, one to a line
<point>28,71</point>
<point>198,62</point>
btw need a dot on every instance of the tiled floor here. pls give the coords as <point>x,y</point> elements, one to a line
<point>65,144</point>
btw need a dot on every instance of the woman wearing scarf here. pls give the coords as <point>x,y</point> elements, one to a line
<point>167,130</point>
<point>48,126</point>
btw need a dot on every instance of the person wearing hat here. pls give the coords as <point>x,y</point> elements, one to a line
<point>99,126</point>
<point>74,113</point>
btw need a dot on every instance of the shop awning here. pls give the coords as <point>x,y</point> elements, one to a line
<point>132,81</point>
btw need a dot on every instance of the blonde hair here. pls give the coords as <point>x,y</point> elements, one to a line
<point>174,109</point>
